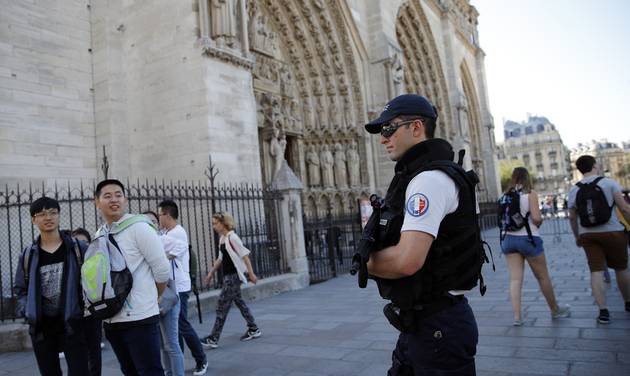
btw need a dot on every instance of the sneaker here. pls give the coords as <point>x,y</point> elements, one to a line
<point>517,323</point>
<point>604,316</point>
<point>251,334</point>
<point>628,306</point>
<point>200,369</point>
<point>562,312</point>
<point>209,342</point>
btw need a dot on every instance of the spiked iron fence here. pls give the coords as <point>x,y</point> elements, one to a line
<point>254,209</point>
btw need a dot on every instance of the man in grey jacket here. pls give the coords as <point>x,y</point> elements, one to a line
<point>134,331</point>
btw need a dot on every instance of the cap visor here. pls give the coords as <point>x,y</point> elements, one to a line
<point>375,125</point>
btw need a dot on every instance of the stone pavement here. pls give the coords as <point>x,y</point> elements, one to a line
<point>335,328</point>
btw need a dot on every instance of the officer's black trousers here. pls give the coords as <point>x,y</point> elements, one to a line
<point>445,344</point>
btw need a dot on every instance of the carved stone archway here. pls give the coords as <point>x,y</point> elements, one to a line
<point>308,95</point>
<point>470,118</point>
<point>423,70</point>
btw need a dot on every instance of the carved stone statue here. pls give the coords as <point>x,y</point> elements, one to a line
<point>333,113</point>
<point>321,124</point>
<point>312,160</point>
<point>341,176</point>
<point>223,21</point>
<point>327,162</point>
<point>462,116</point>
<point>353,165</point>
<point>398,75</point>
<point>277,146</point>
<point>347,113</point>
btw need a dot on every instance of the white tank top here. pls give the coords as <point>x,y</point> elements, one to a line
<point>524,209</point>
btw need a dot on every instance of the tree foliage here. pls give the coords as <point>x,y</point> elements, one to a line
<point>505,171</point>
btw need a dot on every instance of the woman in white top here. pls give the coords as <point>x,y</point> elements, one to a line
<point>517,246</point>
<point>233,258</point>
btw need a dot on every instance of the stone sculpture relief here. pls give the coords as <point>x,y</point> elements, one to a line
<point>312,160</point>
<point>277,146</point>
<point>353,165</point>
<point>223,22</point>
<point>340,167</point>
<point>327,163</point>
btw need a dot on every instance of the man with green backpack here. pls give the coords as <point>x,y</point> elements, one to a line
<point>124,273</point>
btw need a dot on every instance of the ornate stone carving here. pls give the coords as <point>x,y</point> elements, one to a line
<point>327,162</point>
<point>312,161</point>
<point>340,167</point>
<point>353,165</point>
<point>223,22</point>
<point>398,75</point>
<point>333,114</point>
<point>264,40</point>
<point>347,113</point>
<point>277,146</point>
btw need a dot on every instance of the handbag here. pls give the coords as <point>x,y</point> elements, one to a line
<point>169,298</point>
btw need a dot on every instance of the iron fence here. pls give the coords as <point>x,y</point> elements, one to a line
<point>330,244</point>
<point>255,210</point>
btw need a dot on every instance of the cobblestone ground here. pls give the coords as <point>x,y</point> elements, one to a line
<point>335,328</point>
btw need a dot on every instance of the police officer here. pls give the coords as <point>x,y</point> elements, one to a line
<point>430,248</point>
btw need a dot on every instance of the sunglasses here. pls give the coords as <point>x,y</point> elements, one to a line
<point>389,130</point>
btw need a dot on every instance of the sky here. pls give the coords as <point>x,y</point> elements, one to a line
<point>567,60</point>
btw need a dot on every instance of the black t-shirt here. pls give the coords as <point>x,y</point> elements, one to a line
<point>50,277</point>
<point>226,264</point>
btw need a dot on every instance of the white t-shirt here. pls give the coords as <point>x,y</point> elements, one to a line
<point>430,197</point>
<point>176,244</point>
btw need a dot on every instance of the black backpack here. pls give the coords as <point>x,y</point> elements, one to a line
<point>592,205</point>
<point>509,213</point>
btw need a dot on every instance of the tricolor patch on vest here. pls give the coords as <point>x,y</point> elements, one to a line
<point>417,205</point>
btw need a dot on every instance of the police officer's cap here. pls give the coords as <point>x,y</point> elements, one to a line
<point>406,104</point>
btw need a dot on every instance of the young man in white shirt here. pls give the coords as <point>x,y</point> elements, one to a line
<point>134,331</point>
<point>179,256</point>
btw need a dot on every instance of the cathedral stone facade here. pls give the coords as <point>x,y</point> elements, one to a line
<point>157,86</point>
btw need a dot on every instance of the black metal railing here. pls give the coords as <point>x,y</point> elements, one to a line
<point>255,211</point>
<point>330,244</point>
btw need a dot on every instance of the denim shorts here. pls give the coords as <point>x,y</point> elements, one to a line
<point>521,244</point>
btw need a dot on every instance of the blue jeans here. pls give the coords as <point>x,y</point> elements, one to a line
<point>188,333</point>
<point>444,345</point>
<point>172,355</point>
<point>137,349</point>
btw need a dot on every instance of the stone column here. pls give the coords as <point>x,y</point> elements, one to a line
<point>290,221</point>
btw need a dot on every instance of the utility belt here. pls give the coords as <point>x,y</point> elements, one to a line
<point>409,320</point>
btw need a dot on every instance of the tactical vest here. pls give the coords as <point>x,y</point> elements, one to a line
<point>456,255</point>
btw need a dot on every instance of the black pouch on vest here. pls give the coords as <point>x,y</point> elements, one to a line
<point>403,323</point>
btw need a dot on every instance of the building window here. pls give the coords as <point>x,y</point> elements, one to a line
<point>541,128</point>
<point>529,130</point>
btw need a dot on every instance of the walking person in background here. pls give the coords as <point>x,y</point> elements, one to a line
<point>526,244</point>
<point>233,258</point>
<point>599,230</point>
<point>180,259</point>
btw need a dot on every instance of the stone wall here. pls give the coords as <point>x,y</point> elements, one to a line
<point>46,107</point>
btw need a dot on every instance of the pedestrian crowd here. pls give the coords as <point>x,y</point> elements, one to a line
<point>131,280</point>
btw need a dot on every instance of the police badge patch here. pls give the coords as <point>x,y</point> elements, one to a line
<point>417,205</point>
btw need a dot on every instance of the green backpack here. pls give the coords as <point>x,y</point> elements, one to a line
<point>105,278</point>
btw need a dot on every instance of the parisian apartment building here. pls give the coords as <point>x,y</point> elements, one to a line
<point>612,158</point>
<point>538,146</point>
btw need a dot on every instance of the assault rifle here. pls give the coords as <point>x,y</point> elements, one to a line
<point>368,242</point>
